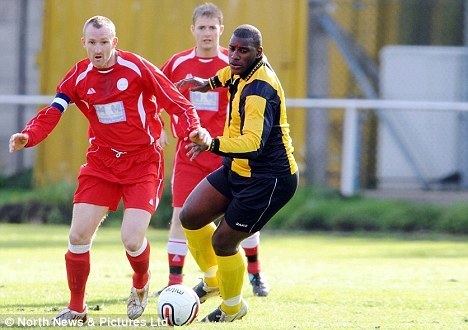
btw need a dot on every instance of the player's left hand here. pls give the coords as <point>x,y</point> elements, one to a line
<point>194,84</point>
<point>194,150</point>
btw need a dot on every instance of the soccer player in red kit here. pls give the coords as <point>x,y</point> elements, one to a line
<point>119,93</point>
<point>203,61</point>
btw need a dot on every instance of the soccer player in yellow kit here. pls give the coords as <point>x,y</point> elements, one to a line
<point>258,177</point>
<point>203,61</point>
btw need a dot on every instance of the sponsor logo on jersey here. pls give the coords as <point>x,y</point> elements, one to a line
<point>111,112</point>
<point>208,101</point>
<point>90,91</point>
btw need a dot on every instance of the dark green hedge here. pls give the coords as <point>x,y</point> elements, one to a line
<point>313,209</point>
<point>310,209</point>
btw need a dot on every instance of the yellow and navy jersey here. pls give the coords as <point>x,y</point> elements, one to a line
<point>256,140</point>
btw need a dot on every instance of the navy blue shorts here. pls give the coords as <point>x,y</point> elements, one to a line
<point>253,201</point>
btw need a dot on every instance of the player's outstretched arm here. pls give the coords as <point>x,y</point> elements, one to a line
<point>18,141</point>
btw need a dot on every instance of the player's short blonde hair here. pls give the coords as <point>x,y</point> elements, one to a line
<point>98,22</point>
<point>207,9</point>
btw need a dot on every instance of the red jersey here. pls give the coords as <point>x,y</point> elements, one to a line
<point>119,102</point>
<point>211,106</point>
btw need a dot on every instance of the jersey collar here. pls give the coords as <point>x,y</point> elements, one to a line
<point>253,68</point>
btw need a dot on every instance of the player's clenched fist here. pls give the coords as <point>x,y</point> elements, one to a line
<point>18,141</point>
<point>200,141</point>
<point>201,137</point>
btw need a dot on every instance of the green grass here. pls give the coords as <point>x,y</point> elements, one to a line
<point>318,280</point>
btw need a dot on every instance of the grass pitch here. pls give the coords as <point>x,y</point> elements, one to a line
<point>318,280</point>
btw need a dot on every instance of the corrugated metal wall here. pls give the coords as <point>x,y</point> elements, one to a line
<point>157,29</point>
<point>372,24</point>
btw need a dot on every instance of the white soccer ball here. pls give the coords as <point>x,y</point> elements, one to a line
<point>178,305</point>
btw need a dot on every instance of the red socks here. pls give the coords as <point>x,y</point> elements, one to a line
<point>78,267</point>
<point>140,266</point>
<point>253,265</point>
<point>176,264</point>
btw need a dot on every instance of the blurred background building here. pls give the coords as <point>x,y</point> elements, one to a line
<point>352,49</point>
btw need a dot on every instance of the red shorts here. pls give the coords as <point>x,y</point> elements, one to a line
<point>187,174</point>
<point>136,178</point>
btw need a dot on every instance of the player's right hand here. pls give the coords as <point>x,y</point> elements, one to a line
<point>193,150</point>
<point>201,136</point>
<point>194,84</point>
<point>18,141</point>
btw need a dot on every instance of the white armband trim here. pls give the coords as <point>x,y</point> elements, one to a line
<point>62,102</point>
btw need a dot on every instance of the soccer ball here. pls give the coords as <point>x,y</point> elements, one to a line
<point>178,305</point>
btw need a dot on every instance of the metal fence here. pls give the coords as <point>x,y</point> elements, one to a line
<point>351,152</point>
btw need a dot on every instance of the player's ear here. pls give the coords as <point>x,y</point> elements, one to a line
<point>83,42</point>
<point>192,29</point>
<point>221,29</point>
<point>115,41</point>
<point>259,52</point>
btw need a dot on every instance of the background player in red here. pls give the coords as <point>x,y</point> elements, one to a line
<point>203,61</point>
<point>119,93</point>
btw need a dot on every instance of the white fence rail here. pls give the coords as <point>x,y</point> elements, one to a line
<point>25,99</point>
<point>350,144</point>
<point>349,184</point>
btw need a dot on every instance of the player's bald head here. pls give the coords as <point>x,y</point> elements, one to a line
<point>99,22</point>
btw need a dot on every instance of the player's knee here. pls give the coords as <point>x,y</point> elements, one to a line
<point>223,245</point>
<point>77,238</point>
<point>131,243</point>
<point>186,220</point>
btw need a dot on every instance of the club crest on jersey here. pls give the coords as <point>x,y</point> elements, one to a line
<point>122,84</point>
<point>111,112</point>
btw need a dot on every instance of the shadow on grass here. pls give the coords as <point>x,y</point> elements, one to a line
<point>97,305</point>
<point>18,245</point>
